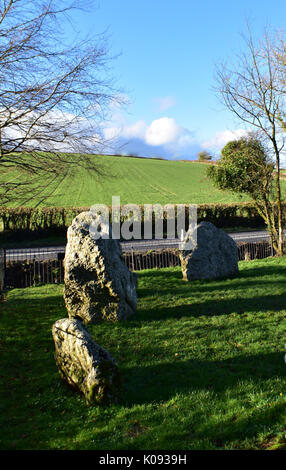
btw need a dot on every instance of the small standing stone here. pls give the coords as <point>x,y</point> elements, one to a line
<point>84,364</point>
<point>214,256</point>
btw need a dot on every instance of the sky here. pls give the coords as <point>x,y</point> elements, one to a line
<point>166,54</point>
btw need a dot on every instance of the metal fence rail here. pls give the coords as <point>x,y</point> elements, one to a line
<point>34,254</point>
<point>33,272</point>
<point>254,250</point>
<point>136,261</point>
<point>46,267</point>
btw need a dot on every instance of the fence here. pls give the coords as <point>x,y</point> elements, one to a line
<point>257,250</point>
<point>25,268</point>
<point>38,270</point>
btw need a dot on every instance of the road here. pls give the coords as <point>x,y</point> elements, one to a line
<point>54,252</point>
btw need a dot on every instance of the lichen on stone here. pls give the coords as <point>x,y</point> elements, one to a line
<point>215,255</point>
<point>85,365</point>
<point>98,285</point>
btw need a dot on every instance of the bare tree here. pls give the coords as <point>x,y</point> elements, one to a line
<point>250,87</point>
<point>53,96</point>
<point>245,168</point>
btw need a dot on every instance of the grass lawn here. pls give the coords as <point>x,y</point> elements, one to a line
<point>202,366</point>
<point>135,180</point>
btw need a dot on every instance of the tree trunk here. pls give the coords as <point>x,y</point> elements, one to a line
<point>278,202</point>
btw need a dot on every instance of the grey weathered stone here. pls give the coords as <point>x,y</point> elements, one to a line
<point>214,256</point>
<point>98,285</point>
<point>83,364</point>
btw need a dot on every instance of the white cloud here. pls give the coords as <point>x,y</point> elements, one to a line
<point>186,138</point>
<point>162,131</point>
<point>165,102</point>
<point>220,139</point>
<point>111,132</point>
<point>122,129</point>
<point>138,130</point>
<point>55,130</point>
<point>162,137</point>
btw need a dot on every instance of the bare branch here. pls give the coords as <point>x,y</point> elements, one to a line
<point>252,89</point>
<point>53,96</point>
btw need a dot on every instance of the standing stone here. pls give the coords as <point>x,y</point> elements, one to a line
<point>83,364</point>
<point>214,256</point>
<point>98,285</point>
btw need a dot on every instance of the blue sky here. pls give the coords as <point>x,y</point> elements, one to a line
<point>168,52</point>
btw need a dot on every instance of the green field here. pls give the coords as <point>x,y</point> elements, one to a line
<point>202,367</point>
<point>135,180</point>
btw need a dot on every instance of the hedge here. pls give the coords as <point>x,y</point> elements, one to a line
<point>59,218</point>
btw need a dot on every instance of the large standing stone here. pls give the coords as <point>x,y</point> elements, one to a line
<point>83,364</point>
<point>214,256</point>
<point>98,285</point>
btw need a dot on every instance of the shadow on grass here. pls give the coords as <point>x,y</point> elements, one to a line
<point>250,270</point>
<point>189,297</point>
<point>163,281</point>
<point>151,383</point>
<point>39,394</point>
<point>235,432</point>
<point>237,295</point>
<point>238,305</point>
<point>197,288</point>
<point>238,427</point>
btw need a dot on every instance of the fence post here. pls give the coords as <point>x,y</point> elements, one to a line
<point>132,254</point>
<point>272,249</point>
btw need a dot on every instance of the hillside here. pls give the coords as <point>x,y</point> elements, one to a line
<point>135,180</point>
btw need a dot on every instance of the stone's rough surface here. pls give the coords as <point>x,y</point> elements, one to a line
<point>83,364</point>
<point>98,285</point>
<point>215,255</point>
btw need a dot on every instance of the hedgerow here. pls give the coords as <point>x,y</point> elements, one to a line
<point>50,218</point>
